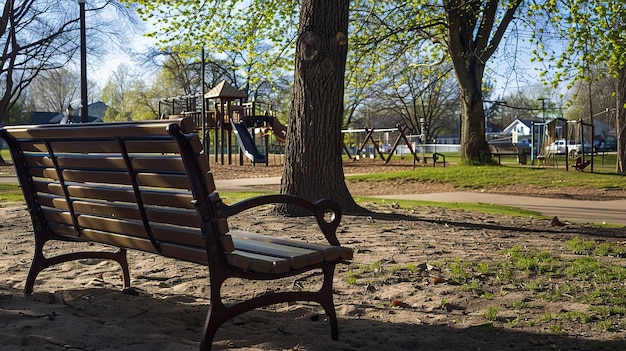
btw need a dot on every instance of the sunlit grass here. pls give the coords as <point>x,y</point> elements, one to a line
<point>10,194</point>
<point>477,177</point>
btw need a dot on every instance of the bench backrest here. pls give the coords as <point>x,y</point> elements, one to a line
<point>140,185</point>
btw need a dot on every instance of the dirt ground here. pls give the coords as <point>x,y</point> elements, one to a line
<point>397,294</point>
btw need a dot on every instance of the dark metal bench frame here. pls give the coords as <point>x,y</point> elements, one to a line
<point>55,180</point>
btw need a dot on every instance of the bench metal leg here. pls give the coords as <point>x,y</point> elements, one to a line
<point>40,262</point>
<point>219,313</point>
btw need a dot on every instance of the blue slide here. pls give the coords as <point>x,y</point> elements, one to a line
<point>246,143</point>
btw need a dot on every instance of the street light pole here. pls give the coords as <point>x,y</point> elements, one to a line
<point>543,109</point>
<point>84,111</point>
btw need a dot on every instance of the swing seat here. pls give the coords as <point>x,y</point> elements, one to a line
<point>580,165</point>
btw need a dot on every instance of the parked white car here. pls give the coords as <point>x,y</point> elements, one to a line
<point>558,147</point>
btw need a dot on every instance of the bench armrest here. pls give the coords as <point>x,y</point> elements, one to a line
<point>326,211</point>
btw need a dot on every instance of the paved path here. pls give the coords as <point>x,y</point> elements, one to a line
<point>613,212</point>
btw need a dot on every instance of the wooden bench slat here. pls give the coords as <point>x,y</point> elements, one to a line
<point>182,199</point>
<point>329,252</point>
<point>105,208</point>
<point>248,261</point>
<point>99,130</point>
<point>160,180</point>
<point>164,162</point>
<point>53,215</point>
<point>63,230</point>
<point>127,227</point>
<point>157,180</point>
<point>99,162</point>
<point>161,145</point>
<point>106,177</point>
<point>174,216</point>
<point>297,257</point>
<point>117,240</point>
<point>62,223</point>
<point>168,198</point>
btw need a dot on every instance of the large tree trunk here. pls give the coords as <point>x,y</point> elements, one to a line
<point>620,125</point>
<point>474,147</point>
<point>313,164</point>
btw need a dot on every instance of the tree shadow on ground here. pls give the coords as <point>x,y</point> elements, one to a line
<point>544,228</point>
<point>107,319</point>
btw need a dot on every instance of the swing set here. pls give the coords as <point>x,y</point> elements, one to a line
<point>574,139</point>
<point>376,143</point>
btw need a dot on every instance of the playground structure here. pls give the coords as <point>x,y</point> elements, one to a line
<point>230,115</point>
<point>574,139</point>
<point>376,143</point>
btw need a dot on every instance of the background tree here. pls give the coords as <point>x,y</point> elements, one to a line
<point>122,95</point>
<point>231,28</point>
<point>594,31</point>
<point>526,104</point>
<point>35,36</point>
<point>416,91</point>
<point>55,90</point>
<point>468,32</point>
<point>43,35</point>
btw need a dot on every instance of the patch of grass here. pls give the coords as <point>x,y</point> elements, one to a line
<point>548,317</point>
<point>576,316</point>
<point>376,268</point>
<point>483,268</point>
<point>557,328</point>
<point>371,270</point>
<point>531,262</point>
<point>474,286</point>
<point>411,267</point>
<point>608,311</point>
<point>605,326</point>
<point>519,305</point>
<point>461,271</point>
<point>352,277</point>
<point>589,247</point>
<point>10,194</point>
<point>444,302</point>
<point>492,313</point>
<point>591,280</point>
<point>577,245</point>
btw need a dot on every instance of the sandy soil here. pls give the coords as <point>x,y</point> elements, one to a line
<point>78,305</point>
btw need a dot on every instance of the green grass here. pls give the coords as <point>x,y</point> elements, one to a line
<point>477,177</point>
<point>549,277</point>
<point>10,194</point>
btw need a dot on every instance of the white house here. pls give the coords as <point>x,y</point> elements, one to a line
<point>519,131</point>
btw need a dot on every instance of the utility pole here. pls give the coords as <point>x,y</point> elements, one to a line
<point>84,108</point>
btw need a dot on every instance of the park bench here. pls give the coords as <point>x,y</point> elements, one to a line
<point>508,150</point>
<point>147,186</point>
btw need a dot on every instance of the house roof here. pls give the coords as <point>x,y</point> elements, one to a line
<point>225,91</point>
<point>41,117</point>
<point>526,122</point>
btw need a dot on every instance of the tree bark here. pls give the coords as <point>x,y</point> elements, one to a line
<point>313,164</point>
<point>620,115</point>
<point>474,147</point>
